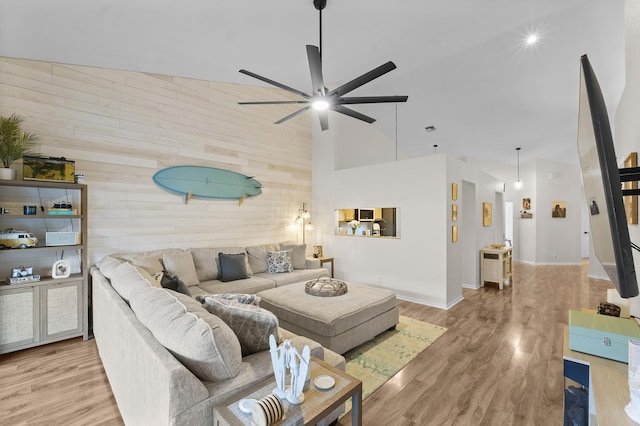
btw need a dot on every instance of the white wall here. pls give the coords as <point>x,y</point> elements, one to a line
<point>121,127</point>
<point>414,265</point>
<point>627,124</point>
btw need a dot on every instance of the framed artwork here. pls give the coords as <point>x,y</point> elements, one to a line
<point>631,201</point>
<point>454,191</point>
<point>526,204</point>
<point>486,214</point>
<point>454,233</point>
<point>559,209</point>
<point>317,251</point>
<point>454,212</point>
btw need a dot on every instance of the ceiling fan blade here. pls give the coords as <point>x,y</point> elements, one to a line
<point>324,119</point>
<point>315,66</point>
<point>363,79</point>
<point>352,113</point>
<point>290,116</point>
<point>275,83</point>
<point>273,103</point>
<point>370,99</point>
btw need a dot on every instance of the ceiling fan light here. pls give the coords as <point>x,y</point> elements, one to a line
<point>320,105</point>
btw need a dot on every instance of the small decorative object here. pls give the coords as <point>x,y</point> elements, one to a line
<point>29,210</point>
<point>324,382</point>
<point>61,269</point>
<point>13,238</point>
<point>326,287</point>
<point>497,246</point>
<point>353,225</point>
<point>285,357</point>
<point>14,144</point>
<point>526,215</point>
<point>79,178</point>
<point>486,214</point>
<point>49,169</point>
<point>454,191</point>
<point>22,274</point>
<point>317,251</point>
<point>610,309</point>
<point>559,209</point>
<point>267,411</point>
<point>454,233</point>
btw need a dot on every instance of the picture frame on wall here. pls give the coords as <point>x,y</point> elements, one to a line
<point>631,202</point>
<point>454,191</point>
<point>559,209</point>
<point>486,214</point>
<point>454,233</point>
<point>454,212</point>
<point>526,204</point>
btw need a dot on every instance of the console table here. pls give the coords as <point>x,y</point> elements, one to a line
<point>318,404</point>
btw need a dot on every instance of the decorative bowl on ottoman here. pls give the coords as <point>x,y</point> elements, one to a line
<point>325,287</point>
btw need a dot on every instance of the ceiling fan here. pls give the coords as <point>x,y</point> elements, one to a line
<point>323,99</point>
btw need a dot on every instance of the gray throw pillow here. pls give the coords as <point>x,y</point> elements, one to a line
<point>251,324</point>
<point>232,267</point>
<point>279,262</point>
<point>298,255</point>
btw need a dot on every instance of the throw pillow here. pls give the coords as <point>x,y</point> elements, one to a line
<point>251,324</point>
<point>173,283</point>
<point>279,261</point>
<point>257,256</point>
<point>181,264</point>
<point>127,280</point>
<point>108,265</point>
<point>232,267</point>
<point>202,342</point>
<point>247,299</point>
<point>298,255</point>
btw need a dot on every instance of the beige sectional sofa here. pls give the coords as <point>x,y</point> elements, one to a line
<point>169,361</point>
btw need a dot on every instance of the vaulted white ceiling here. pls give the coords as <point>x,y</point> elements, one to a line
<point>464,64</point>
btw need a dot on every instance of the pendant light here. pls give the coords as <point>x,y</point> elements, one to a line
<point>518,183</point>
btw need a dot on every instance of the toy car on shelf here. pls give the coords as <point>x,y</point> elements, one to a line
<point>12,238</point>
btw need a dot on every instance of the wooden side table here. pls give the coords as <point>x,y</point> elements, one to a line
<point>495,265</point>
<point>324,259</point>
<point>318,404</point>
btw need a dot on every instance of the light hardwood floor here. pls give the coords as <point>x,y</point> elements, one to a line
<point>499,363</point>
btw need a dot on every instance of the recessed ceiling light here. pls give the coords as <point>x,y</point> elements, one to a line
<point>532,39</point>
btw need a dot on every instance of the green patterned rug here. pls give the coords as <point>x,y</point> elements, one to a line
<point>378,360</point>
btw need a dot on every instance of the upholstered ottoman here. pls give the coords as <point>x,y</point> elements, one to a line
<point>338,323</point>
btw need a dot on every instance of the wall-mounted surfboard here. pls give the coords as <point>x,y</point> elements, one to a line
<point>207,182</point>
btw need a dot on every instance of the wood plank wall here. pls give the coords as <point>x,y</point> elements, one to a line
<point>121,127</point>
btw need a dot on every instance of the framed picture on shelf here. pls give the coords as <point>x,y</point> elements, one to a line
<point>486,214</point>
<point>317,251</point>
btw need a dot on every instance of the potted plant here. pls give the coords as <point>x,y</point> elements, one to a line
<point>14,143</point>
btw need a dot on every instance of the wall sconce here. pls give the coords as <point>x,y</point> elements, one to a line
<point>303,217</point>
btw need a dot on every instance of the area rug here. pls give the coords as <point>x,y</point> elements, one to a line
<point>378,360</point>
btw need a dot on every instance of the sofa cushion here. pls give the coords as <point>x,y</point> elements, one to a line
<point>252,285</point>
<point>181,264</point>
<point>279,262</point>
<point>251,324</point>
<point>298,255</point>
<point>207,262</point>
<point>257,256</point>
<point>232,266</point>
<point>128,279</point>
<point>108,265</point>
<point>201,341</point>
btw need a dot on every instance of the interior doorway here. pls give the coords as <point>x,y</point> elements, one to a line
<point>508,223</point>
<point>468,236</point>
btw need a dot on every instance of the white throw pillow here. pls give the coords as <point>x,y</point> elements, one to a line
<point>279,262</point>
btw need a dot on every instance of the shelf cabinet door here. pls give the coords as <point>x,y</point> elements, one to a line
<point>19,318</point>
<point>61,310</point>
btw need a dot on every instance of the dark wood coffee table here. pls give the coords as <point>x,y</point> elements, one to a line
<point>318,404</point>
